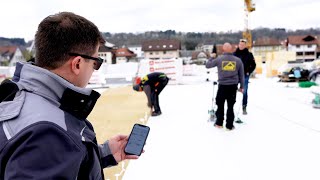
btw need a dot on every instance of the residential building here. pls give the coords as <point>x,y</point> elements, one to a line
<point>207,47</point>
<point>265,45</point>
<point>200,57</point>
<point>106,53</point>
<point>124,55</point>
<point>318,51</point>
<point>186,55</point>
<point>161,49</point>
<point>32,48</point>
<point>306,47</point>
<point>10,55</point>
<point>137,49</point>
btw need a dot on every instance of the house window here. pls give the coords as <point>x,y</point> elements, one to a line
<point>171,45</point>
<point>309,45</point>
<point>150,53</point>
<point>158,46</point>
<point>164,52</point>
<point>157,53</point>
<point>299,53</point>
<point>298,46</point>
<point>309,53</point>
<point>150,47</point>
<point>164,46</point>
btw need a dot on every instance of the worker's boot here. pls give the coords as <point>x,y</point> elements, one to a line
<point>244,110</point>
<point>156,113</point>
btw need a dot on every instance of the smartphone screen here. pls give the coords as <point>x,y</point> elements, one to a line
<point>137,139</point>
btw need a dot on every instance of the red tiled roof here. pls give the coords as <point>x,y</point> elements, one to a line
<point>266,41</point>
<point>8,49</point>
<point>124,52</point>
<point>161,45</point>
<point>302,40</point>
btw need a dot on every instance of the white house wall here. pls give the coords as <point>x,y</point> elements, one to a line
<point>121,60</point>
<point>304,49</point>
<point>137,50</point>
<point>161,55</point>
<point>18,56</point>
<point>107,56</point>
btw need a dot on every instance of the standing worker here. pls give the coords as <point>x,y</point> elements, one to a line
<point>249,64</point>
<point>152,84</point>
<point>230,73</point>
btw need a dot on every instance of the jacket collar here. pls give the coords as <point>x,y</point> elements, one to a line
<point>75,100</point>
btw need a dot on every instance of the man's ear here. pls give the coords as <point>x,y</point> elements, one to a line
<point>75,65</point>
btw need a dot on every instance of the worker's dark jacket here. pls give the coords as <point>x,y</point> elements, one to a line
<point>44,133</point>
<point>247,59</point>
<point>152,82</point>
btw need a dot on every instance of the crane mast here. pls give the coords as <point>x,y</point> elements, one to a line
<point>246,34</point>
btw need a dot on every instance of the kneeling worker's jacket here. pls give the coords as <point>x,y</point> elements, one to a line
<point>44,133</point>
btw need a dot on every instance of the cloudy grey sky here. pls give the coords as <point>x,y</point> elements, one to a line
<point>20,18</point>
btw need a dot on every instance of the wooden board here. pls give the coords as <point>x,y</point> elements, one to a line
<point>116,111</point>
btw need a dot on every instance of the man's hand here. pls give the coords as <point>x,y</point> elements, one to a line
<point>240,90</point>
<point>117,145</point>
<point>213,55</point>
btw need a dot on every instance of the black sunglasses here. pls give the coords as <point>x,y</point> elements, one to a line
<point>98,59</point>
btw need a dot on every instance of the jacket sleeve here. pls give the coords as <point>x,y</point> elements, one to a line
<point>211,63</point>
<point>241,74</point>
<point>252,65</point>
<point>107,159</point>
<point>43,151</point>
<point>147,90</point>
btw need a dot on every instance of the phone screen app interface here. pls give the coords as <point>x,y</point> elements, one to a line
<point>136,141</point>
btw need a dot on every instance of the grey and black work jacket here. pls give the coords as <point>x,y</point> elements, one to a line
<point>230,69</point>
<point>44,133</point>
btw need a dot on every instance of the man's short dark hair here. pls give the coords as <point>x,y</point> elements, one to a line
<point>61,34</point>
<point>243,40</point>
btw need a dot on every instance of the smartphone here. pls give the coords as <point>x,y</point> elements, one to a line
<point>137,139</point>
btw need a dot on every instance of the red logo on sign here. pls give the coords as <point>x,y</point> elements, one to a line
<point>151,69</point>
<point>151,63</point>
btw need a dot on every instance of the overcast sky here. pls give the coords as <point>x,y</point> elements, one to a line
<point>20,18</point>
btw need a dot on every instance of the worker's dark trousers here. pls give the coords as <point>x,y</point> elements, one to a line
<point>155,95</point>
<point>229,93</point>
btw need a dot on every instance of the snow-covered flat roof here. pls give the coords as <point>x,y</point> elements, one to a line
<point>278,140</point>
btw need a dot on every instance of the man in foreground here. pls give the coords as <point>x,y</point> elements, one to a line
<point>44,132</point>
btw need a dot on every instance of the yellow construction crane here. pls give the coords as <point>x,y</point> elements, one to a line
<point>246,34</point>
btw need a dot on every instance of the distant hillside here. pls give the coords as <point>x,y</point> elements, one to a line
<point>12,41</point>
<point>191,39</point>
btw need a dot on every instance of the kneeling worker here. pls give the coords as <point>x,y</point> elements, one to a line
<point>152,84</point>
